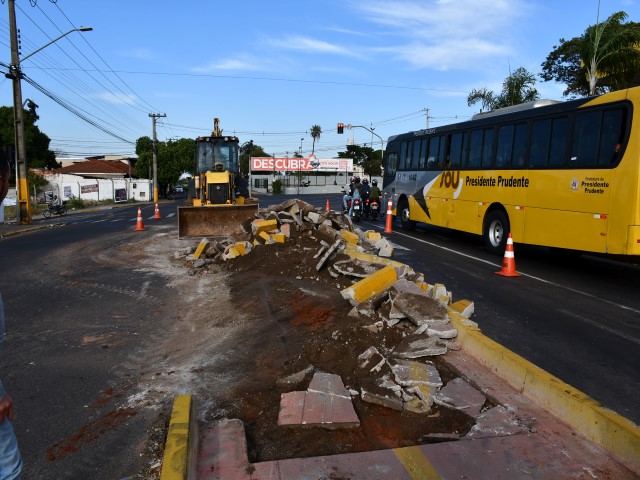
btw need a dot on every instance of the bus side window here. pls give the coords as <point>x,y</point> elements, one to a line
<point>475,149</point>
<point>404,155</point>
<point>392,161</point>
<point>586,133</point>
<point>611,136</point>
<point>539,148</point>
<point>455,150</point>
<point>423,153</point>
<point>434,152</point>
<point>487,148</point>
<point>558,147</point>
<point>520,145</point>
<point>505,145</point>
<point>415,156</point>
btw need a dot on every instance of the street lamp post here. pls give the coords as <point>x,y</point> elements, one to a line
<point>23,205</point>
<point>349,127</point>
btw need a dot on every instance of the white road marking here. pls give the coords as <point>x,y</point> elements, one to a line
<point>600,326</point>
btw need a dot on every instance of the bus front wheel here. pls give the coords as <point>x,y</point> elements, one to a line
<point>496,232</point>
<point>403,213</point>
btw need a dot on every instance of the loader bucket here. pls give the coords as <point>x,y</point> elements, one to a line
<point>214,220</point>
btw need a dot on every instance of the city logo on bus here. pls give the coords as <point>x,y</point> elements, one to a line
<point>450,179</point>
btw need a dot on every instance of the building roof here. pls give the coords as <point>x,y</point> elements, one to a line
<point>97,167</point>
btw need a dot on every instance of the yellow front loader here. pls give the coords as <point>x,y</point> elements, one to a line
<point>216,209</point>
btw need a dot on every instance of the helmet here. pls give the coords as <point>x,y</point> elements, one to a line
<point>365,181</point>
<point>353,180</point>
<point>374,182</point>
<point>356,179</point>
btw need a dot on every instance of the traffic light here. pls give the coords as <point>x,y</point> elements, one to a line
<point>341,128</point>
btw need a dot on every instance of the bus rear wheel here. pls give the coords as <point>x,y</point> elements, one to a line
<point>403,213</point>
<point>496,232</point>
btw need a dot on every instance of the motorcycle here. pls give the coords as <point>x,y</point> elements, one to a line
<point>55,209</point>
<point>356,213</point>
<point>374,208</point>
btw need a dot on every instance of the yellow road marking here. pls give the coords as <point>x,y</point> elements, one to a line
<point>416,464</point>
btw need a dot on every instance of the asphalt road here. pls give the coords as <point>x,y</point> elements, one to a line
<point>575,316</point>
<point>81,319</point>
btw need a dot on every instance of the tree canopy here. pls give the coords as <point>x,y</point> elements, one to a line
<point>175,157</point>
<point>315,131</point>
<point>606,57</point>
<point>37,143</point>
<point>517,88</point>
<point>365,157</point>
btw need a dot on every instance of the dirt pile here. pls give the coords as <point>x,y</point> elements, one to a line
<point>321,286</point>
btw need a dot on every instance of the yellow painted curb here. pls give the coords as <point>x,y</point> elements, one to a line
<point>617,434</point>
<point>367,257</point>
<point>371,285</point>
<point>181,447</point>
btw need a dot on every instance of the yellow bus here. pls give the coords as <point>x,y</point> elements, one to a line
<point>556,174</point>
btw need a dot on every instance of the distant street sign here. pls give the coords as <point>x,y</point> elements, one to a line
<point>349,126</point>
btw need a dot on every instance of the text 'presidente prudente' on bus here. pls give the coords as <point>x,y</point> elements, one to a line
<point>556,174</point>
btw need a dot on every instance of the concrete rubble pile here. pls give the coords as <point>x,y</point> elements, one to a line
<point>388,294</point>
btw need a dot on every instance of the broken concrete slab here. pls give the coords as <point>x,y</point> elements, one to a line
<point>416,346</point>
<point>498,421</point>
<point>460,395</point>
<point>384,400</point>
<point>295,378</point>
<point>328,383</point>
<point>420,309</point>
<point>202,247</point>
<point>407,286</point>
<point>328,253</point>
<point>327,404</point>
<point>409,373</point>
<point>447,331</point>
<point>465,308</point>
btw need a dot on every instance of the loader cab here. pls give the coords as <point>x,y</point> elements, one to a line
<point>217,163</point>
<point>212,151</point>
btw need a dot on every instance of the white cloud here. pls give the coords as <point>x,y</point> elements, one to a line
<point>240,63</point>
<point>310,45</point>
<point>446,34</point>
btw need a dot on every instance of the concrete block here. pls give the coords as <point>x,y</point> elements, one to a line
<point>404,285</point>
<point>202,247</point>
<point>420,309</point>
<point>439,290</point>
<point>328,383</point>
<point>279,237</point>
<point>460,395</point>
<point>258,226</point>
<point>372,236</point>
<point>442,331</point>
<point>416,346</point>
<point>349,237</point>
<point>410,373</point>
<point>466,308</point>
<point>323,260</point>
<point>386,252</point>
<point>370,286</point>
<point>286,230</point>
<point>498,421</point>
<point>315,217</point>
<point>232,252</point>
<point>389,401</point>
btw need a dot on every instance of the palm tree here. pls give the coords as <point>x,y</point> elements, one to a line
<point>611,49</point>
<point>517,88</point>
<point>316,131</point>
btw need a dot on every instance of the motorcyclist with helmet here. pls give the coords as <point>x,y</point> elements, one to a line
<point>374,191</point>
<point>355,192</point>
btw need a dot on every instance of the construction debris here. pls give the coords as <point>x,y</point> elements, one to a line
<point>407,320</point>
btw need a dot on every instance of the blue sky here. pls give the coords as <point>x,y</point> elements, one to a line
<point>271,70</point>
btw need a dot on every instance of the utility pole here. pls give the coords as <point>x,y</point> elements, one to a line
<point>23,207</point>
<point>427,117</point>
<point>155,155</point>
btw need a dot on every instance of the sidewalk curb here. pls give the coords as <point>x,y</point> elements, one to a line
<point>181,448</point>
<point>615,433</point>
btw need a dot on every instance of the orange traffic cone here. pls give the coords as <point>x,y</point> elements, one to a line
<point>327,208</point>
<point>387,228</point>
<point>509,261</point>
<point>139,224</point>
<point>156,214</point>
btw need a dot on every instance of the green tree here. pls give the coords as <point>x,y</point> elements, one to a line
<point>315,132</point>
<point>37,143</point>
<point>245,156</point>
<point>175,157</point>
<point>365,157</point>
<point>517,88</point>
<point>606,57</point>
